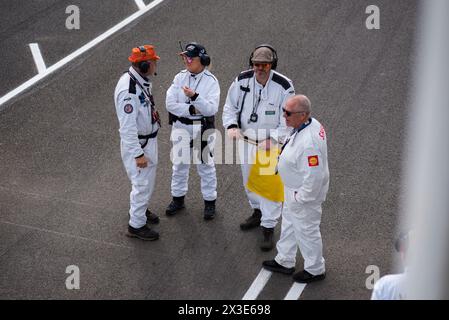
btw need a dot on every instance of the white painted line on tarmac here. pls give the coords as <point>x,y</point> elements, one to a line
<point>78,52</point>
<point>295,291</point>
<point>37,56</point>
<point>65,234</point>
<point>140,4</point>
<point>257,285</point>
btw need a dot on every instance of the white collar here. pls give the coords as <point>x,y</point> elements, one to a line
<point>196,75</point>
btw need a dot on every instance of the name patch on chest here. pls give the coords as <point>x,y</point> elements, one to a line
<point>270,113</point>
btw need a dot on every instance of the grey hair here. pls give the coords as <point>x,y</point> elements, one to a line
<point>302,103</point>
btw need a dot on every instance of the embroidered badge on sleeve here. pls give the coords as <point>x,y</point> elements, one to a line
<point>128,108</point>
<point>313,161</point>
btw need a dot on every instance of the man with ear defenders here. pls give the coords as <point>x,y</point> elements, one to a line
<point>253,111</point>
<point>192,101</point>
<point>139,123</point>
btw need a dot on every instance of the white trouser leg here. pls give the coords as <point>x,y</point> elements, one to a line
<point>208,180</point>
<point>142,183</point>
<point>271,211</point>
<point>301,227</point>
<point>287,245</point>
<point>180,179</point>
<point>181,158</point>
<point>307,227</point>
<point>247,154</point>
<point>206,170</point>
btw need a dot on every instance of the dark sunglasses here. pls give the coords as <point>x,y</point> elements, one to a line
<point>263,65</point>
<point>289,113</point>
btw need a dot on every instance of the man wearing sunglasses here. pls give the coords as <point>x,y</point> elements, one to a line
<point>304,171</point>
<point>252,114</point>
<point>192,101</point>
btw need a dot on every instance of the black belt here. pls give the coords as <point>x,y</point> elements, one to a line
<point>147,137</point>
<point>187,120</point>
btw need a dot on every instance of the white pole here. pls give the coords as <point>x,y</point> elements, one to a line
<point>427,162</point>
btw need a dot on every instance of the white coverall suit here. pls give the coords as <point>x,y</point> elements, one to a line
<point>182,135</point>
<point>390,287</point>
<point>304,171</point>
<point>136,118</point>
<point>267,102</point>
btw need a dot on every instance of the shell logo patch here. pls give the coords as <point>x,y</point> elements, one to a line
<point>128,108</point>
<point>313,161</point>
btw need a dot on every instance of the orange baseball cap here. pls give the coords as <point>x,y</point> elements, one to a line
<point>143,53</point>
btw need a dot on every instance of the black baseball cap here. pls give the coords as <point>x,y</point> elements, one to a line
<point>193,50</point>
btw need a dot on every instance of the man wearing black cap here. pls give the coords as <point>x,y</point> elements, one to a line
<point>192,101</point>
<point>253,115</point>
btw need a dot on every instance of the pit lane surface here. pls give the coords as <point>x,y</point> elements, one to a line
<point>63,191</point>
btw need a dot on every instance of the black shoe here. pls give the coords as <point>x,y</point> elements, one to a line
<point>209,209</point>
<point>306,277</point>
<point>152,218</point>
<point>143,233</point>
<point>176,205</point>
<point>272,265</point>
<point>253,221</point>
<point>267,242</point>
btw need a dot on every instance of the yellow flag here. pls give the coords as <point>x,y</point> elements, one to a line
<point>263,179</point>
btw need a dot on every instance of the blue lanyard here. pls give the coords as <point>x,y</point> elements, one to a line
<point>296,130</point>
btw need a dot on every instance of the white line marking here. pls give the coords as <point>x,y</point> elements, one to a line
<point>78,52</point>
<point>295,291</point>
<point>65,234</point>
<point>257,285</point>
<point>37,56</point>
<point>140,4</point>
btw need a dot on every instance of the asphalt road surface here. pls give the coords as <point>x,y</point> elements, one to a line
<point>64,195</point>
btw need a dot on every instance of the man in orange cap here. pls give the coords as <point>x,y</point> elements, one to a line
<point>139,124</point>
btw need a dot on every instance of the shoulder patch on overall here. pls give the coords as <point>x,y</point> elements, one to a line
<point>207,73</point>
<point>132,86</point>
<point>246,74</point>
<point>281,80</point>
<point>128,108</point>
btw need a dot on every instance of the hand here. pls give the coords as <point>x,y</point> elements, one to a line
<point>142,162</point>
<point>188,92</point>
<point>234,133</point>
<point>266,144</point>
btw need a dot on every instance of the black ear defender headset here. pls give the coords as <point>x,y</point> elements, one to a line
<point>144,66</point>
<point>274,63</point>
<point>204,57</point>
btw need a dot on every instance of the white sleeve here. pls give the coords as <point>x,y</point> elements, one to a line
<point>231,108</point>
<point>127,110</point>
<point>282,131</point>
<point>180,109</point>
<point>311,165</point>
<point>377,293</point>
<point>208,104</point>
